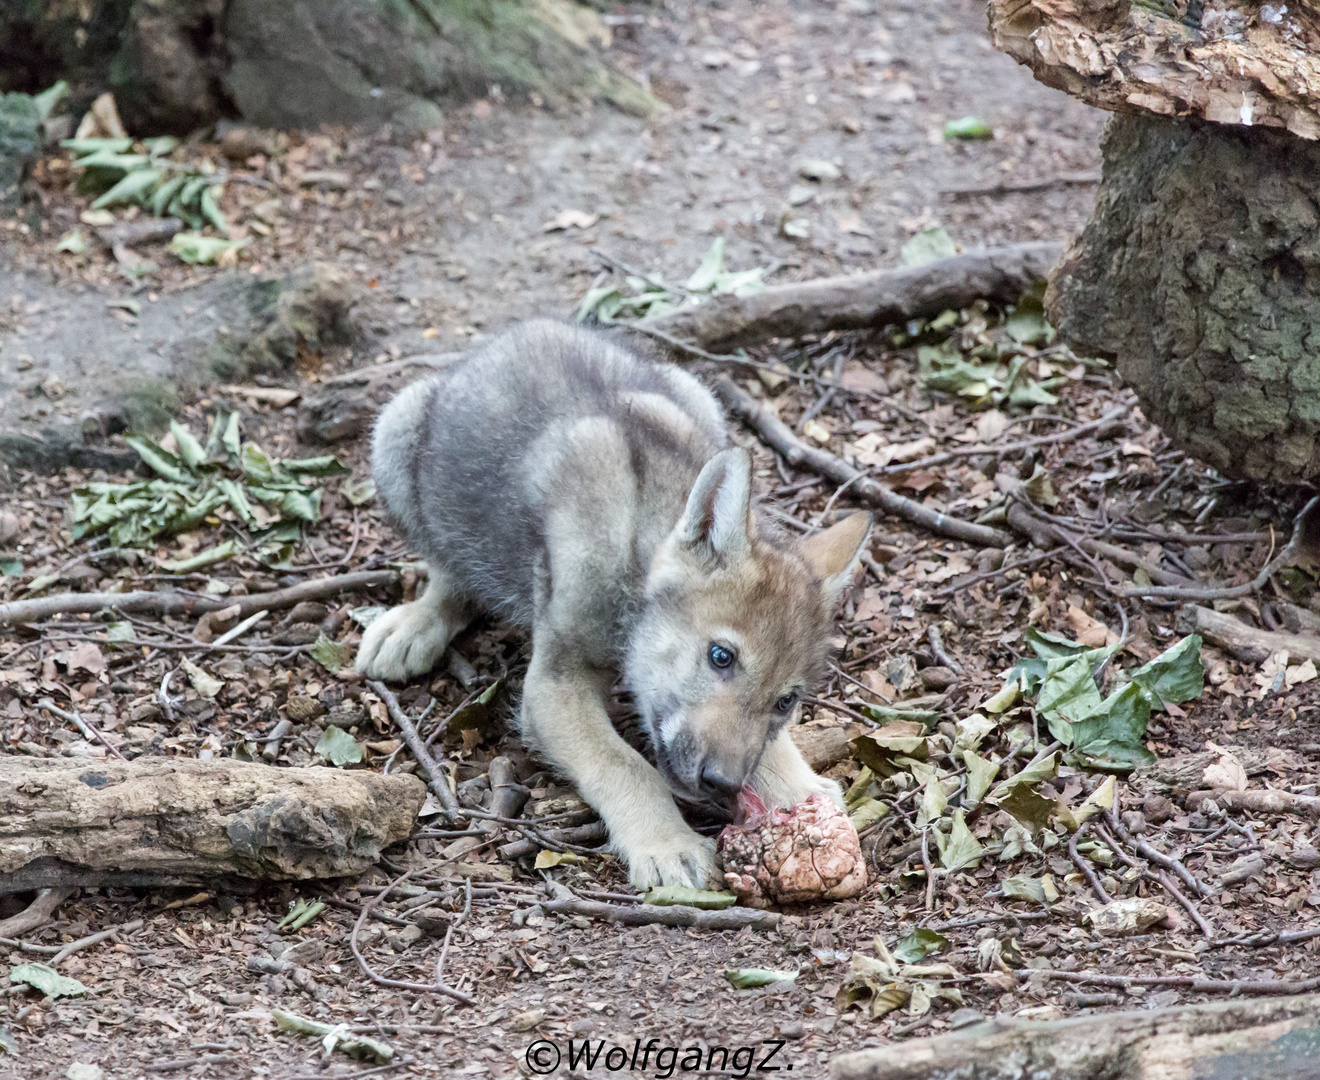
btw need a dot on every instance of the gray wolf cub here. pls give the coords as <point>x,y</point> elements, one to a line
<point>561,482</point>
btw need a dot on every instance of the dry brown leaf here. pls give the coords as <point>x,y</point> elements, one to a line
<point>1227,773</point>
<point>1089,631</point>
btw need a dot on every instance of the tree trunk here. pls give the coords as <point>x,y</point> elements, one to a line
<point>1200,272</point>
<point>177,821</point>
<point>1264,1039</point>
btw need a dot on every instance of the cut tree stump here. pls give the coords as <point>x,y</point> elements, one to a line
<point>1262,1039</point>
<point>177,821</point>
<point>1198,271</point>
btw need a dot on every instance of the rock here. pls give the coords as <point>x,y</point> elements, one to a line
<point>345,715</point>
<point>308,611</point>
<point>808,852</point>
<point>303,707</point>
<point>1128,916</point>
<point>304,633</point>
<point>10,526</point>
<point>20,139</point>
<point>821,171</point>
<point>937,678</point>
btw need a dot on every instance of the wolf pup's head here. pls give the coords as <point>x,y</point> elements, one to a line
<point>735,629</point>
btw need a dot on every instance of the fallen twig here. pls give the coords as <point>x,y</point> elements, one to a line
<point>173,602</point>
<point>1258,802</point>
<point>1025,187</point>
<point>94,939</point>
<point>1084,865</point>
<point>1243,641</point>
<point>777,435</point>
<point>437,987</point>
<point>563,902</point>
<point>1196,983</point>
<point>437,774</point>
<point>594,831</point>
<point>36,913</point>
<point>863,301</point>
<point>90,733</point>
<point>936,640</point>
<point>1098,426</point>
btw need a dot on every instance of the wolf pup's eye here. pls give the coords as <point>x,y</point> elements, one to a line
<point>785,704</point>
<point>719,656</point>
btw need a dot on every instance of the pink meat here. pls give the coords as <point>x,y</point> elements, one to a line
<point>808,852</point>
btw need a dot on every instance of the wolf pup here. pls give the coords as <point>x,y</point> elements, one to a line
<point>560,482</point>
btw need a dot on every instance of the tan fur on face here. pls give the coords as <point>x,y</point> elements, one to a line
<point>772,606</point>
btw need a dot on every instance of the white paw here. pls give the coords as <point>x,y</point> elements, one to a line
<point>785,792</point>
<point>687,860</point>
<point>405,641</point>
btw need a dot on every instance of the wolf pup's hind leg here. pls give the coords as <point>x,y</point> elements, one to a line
<point>409,639</point>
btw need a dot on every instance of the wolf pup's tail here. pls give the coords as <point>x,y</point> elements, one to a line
<point>396,444</point>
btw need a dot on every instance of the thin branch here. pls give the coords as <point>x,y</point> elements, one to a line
<point>435,771</point>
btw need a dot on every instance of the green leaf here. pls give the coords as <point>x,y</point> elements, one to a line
<point>1177,674</point>
<point>1035,773</point>
<point>602,302</point>
<point>980,775</point>
<point>920,944</point>
<point>1024,887</point>
<point>706,899</point>
<point>712,265</point>
<point>72,242</point>
<point>208,557</point>
<point>751,978</point>
<point>867,812</point>
<point>934,801</point>
<point>338,747</point>
<point>1067,693</point>
<point>968,127</point>
<point>358,492</point>
<point>1114,734</point>
<point>230,436</point>
<point>334,656</point>
<point>328,465</point>
<point>1003,700</point>
<point>45,978</point>
<point>961,848</point>
<point>211,208</point>
<point>1028,326</point>
<point>50,99</point>
<point>160,145</point>
<point>83,147</point>
<point>928,246</point>
<point>190,450</point>
<point>302,912</point>
<point>164,195</point>
<point>120,631</point>
<point>237,498</point>
<point>162,462</point>
<point>133,188</point>
<point>255,464</point>
<point>192,247</point>
<point>11,566</point>
<point>1027,806</point>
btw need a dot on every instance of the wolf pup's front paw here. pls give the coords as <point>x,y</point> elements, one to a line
<point>403,642</point>
<point>687,860</point>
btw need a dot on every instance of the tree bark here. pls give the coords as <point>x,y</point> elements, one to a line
<point>1200,273</point>
<point>158,821</point>
<point>1256,1039</point>
<point>862,301</point>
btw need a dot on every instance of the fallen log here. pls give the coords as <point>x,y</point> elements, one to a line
<point>1271,1037</point>
<point>1245,642</point>
<point>177,821</point>
<point>780,437</point>
<point>174,602</point>
<point>862,301</point>
<point>1267,801</point>
<point>735,918</point>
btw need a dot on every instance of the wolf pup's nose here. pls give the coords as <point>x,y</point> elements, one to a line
<point>717,782</point>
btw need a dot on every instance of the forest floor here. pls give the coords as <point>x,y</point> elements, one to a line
<point>444,241</point>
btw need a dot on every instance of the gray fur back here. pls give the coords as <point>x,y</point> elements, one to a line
<point>452,455</point>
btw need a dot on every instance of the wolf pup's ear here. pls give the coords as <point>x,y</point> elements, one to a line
<point>718,517</point>
<point>833,554</point>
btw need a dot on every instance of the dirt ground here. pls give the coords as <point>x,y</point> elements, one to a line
<point>445,241</point>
